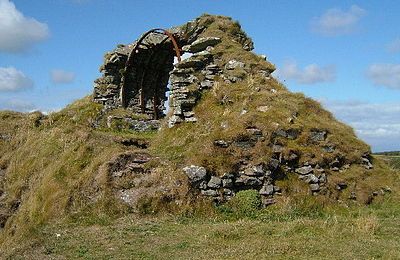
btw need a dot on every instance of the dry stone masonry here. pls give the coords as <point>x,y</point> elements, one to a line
<point>136,76</point>
<point>262,177</point>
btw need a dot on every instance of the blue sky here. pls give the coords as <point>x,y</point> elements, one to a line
<point>344,54</point>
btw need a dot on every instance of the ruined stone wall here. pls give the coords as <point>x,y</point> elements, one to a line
<point>152,67</point>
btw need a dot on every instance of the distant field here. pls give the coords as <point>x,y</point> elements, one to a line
<point>391,153</point>
<point>392,158</point>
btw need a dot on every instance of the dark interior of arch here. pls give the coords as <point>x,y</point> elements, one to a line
<point>147,75</point>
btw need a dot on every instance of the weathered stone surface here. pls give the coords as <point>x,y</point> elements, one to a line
<point>191,119</point>
<point>183,79</point>
<point>254,131</point>
<point>265,73</point>
<point>317,135</point>
<point>211,193</point>
<point>232,64</point>
<point>227,183</point>
<point>188,114</point>
<point>280,132</point>
<point>341,185</point>
<point>215,182</point>
<point>336,163</point>
<point>201,44</point>
<point>323,178</point>
<point>273,164</point>
<point>173,120</point>
<point>309,178</point>
<point>203,55</point>
<point>292,133</point>
<point>267,190</point>
<point>127,163</point>
<point>304,170</point>
<point>195,173</point>
<point>257,170</point>
<point>203,185</point>
<point>184,71</point>
<point>366,163</point>
<point>244,143</point>
<point>248,181</point>
<point>206,84</point>
<point>277,189</point>
<point>221,143</point>
<point>277,148</point>
<point>228,192</point>
<point>190,63</point>
<point>5,137</point>
<point>292,157</point>
<point>328,148</point>
<point>263,108</point>
<point>143,125</point>
<point>314,187</point>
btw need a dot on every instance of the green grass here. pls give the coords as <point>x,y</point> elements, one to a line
<point>341,233</point>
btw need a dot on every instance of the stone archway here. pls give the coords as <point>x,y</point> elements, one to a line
<point>146,74</point>
<point>136,76</point>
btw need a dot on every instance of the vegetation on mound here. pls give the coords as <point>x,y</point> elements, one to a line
<point>54,165</point>
<point>228,109</point>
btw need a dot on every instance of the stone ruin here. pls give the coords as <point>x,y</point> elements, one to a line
<point>137,76</point>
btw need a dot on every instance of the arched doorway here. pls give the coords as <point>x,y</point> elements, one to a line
<point>146,73</point>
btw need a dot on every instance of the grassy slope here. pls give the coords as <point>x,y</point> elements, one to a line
<point>53,165</point>
<point>194,143</point>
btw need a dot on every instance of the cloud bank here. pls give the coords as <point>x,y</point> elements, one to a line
<point>17,32</point>
<point>386,75</point>
<point>17,105</point>
<point>311,74</point>
<point>338,22</point>
<point>12,80</point>
<point>61,76</point>
<point>376,123</point>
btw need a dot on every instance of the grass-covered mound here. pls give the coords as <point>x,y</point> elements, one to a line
<point>255,120</point>
<point>53,166</point>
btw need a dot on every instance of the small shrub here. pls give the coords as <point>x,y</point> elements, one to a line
<point>246,203</point>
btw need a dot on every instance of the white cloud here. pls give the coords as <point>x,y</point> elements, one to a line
<point>12,79</point>
<point>311,74</point>
<point>394,46</point>
<point>17,32</point>
<point>62,76</point>
<point>17,105</point>
<point>376,123</point>
<point>338,22</point>
<point>387,75</point>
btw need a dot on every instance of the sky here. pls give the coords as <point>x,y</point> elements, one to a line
<point>345,54</point>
